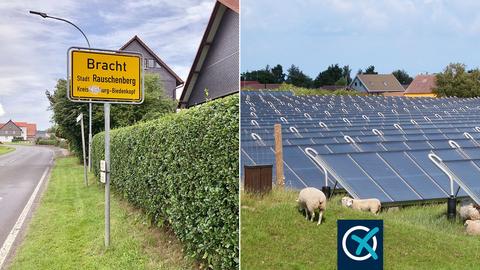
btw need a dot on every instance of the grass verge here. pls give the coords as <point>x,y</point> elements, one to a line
<point>67,229</point>
<point>5,149</point>
<point>275,235</point>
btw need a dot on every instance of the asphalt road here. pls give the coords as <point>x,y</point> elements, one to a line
<point>20,172</point>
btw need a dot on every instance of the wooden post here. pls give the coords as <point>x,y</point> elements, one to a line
<point>279,155</point>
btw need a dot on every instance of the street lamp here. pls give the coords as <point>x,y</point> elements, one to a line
<point>44,15</point>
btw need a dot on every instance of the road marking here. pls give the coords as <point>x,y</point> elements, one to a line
<point>7,245</point>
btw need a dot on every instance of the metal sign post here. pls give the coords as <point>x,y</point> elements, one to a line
<point>80,119</point>
<point>104,76</point>
<point>90,136</point>
<point>106,107</point>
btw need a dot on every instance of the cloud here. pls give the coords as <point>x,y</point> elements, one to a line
<point>2,111</point>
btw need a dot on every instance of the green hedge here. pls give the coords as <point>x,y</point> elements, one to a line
<point>182,169</point>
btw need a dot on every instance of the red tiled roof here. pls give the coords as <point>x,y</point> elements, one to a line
<point>422,84</point>
<point>247,83</point>
<point>31,128</point>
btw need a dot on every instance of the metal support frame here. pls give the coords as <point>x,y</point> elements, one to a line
<point>312,153</point>
<point>377,132</point>
<point>257,137</point>
<point>452,199</point>
<point>295,130</point>
<point>347,121</point>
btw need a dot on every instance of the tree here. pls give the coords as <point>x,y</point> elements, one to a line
<point>402,76</point>
<point>332,75</point>
<point>346,71</point>
<point>266,75</point>
<point>342,82</point>
<point>296,77</point>
<point>455,81</point>
<point>65,111</point>
<point>370,70</point>
<point>329,76</point>
<point>278,74</point>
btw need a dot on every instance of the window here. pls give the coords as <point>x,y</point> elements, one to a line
<point>355,83</point>
<point>385,83</point>
<point>151,63</point>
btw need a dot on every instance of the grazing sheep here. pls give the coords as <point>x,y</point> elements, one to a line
<point>372,205</point>
<point>311,199</point>
<point>470,211</point>
<point>472,227</point>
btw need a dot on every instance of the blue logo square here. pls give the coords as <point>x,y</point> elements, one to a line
<point>360,244</point>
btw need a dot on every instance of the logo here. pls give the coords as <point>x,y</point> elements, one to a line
<point>360,244</point>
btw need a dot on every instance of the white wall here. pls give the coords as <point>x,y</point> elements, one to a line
<point>6,138</point>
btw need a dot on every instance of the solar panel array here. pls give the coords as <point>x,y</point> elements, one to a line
<point>373,146</point>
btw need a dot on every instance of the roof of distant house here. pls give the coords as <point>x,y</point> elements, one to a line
<point>3,124</point>
<point>380,83</point>
<point>31,128</point>
<point>163,64</point>
<point>422,84</point>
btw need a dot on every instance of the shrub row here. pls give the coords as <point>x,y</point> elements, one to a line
<point>182,169</point>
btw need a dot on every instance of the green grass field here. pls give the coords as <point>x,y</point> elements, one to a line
<point>5,149</point>
<point>275,235</point>
<point>67,230</point>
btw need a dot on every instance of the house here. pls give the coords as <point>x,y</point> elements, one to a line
<point>377,84</point>
<point>153,64</point>
<point>215,72</point>
<point>8,131</point>
<point>422,86</point>
<point>29,130</point>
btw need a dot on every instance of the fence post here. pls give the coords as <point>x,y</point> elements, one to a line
<point>279,155</point>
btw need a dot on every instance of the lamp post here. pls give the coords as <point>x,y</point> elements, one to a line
<point>45,16</point>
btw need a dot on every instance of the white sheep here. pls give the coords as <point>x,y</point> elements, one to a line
<point>469,211</point>
<point>472,227</point>
<point>372,205</point>
<point>311,199</point>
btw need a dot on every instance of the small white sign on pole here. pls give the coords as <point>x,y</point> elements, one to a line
<point>103,166</point>
<point>79,117</point>
<point>102,177</point>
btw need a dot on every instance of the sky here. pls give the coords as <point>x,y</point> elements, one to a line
<point>33,50</point>
<point>416,36</point>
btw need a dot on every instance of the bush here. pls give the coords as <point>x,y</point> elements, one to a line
<point>46,141</point>
<point>52,141</point>
<point>182,169</point>
<point>301,91</point>
<point>17,139</point>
